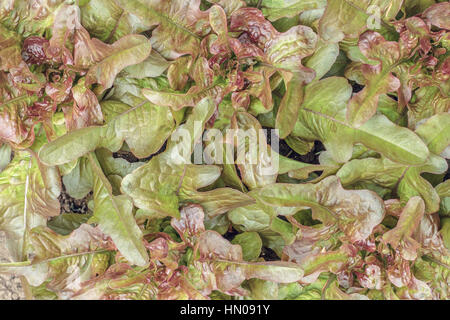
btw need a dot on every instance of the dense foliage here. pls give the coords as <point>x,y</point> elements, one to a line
<point>91,92</point>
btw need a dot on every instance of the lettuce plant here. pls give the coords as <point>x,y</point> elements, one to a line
<point>105,102</point>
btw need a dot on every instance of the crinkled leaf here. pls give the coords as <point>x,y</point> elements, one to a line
<point>435,132</point>
<point>390,174</point>
<point>438,14</point>
<point>128,124</point>
<point>274,10</point>
<point>335,25</point>
<point>106,21</point>
<point>28,195</point>
<point>401,236</point>
<point>106,61</point>
<point>158,185</point>
<point>230,271</point>
<point>257,167</point>
<point>180,24</point>
<point>30,18</point>
<point>86,110</point>
<point>178,101</point>
<point>65,261</point>
<point>330,203</point>
<point>229,5</point>
<point>322,116</point>
<point>427,102</point>
<point>114,215</point>
<point>190,224</point>
<point>378,78</point>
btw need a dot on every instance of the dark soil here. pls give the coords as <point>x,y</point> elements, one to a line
<point>72,205</point>
<point>447,175</point>
<point>266,253</point>
<point>130,157</point>
<point>126,155</point>
<point>284,149</point>
<point>269,255</point>
<point>230,234</point>
<point>356,87</point>
<point>312,157</point>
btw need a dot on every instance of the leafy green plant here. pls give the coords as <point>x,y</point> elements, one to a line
<point>106,102</point>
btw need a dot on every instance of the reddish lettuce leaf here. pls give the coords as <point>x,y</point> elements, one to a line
<point>113,184</point>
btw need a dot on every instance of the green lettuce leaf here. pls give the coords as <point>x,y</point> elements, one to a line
<point>170,176</point>
<point>123,126</point>
<point>328,200</point>
<point>62,263</point>
<point>378,78</point>
<point>401,236</point>
<point>334,25</point>
<point>323,116</point>
<point>443,190</point>
<point>435,132</point>
<point>106,61</point>
<point>182,20</point>
<point>274,10</point>
<point>106,21</point>
<point>406,179</point>
<point>29,194</point>
<point>29,18</point>
<point>114,215</point>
